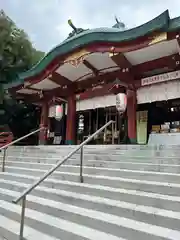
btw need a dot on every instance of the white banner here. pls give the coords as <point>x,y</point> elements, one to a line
<point>96,102</point>
<point>160,78</point>
<point>158,92</point>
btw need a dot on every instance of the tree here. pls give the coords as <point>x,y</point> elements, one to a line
<point>16,55</point>
<point>16,51</point>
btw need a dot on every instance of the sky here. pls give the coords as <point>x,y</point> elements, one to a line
<point>45,21</point>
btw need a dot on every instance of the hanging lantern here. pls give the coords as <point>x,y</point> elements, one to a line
<point>59,112</point>
<point>121,102</point>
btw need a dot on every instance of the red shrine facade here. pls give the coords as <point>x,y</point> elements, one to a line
<point>86,71</point>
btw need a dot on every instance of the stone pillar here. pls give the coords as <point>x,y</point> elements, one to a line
<point>71,121</point>
<point>131,114</point>
<point>44,123</point>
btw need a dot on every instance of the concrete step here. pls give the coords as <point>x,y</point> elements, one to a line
<point>97,148</point>
<point>94,147</point>
<point>143,153</point>
<point>132,196</point>
<point>114,158</point>
<point>12,232</point>
<point>56,227</point>
<point>72,174</point>
<point>131,184</point>
<point>129,192</point>
<point>104,146</point>
<point>73,165</point>
<point>114,226</point>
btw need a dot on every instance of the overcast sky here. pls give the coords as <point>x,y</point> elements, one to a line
<point>45,21</point>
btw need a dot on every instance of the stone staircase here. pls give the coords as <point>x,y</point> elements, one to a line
<point>129,192</point>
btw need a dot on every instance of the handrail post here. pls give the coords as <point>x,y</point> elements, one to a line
<point>36,183</point>
<point>81,164</point>
<point>4,159</point>
<point>22,218</point>
<point>61,162</point>
<point>112,132</point>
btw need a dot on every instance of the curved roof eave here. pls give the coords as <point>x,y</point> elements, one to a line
<point>161,23</point>
<point>174,24</point>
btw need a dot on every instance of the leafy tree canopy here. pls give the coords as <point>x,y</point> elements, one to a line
<point>16,51</point>
<point>16,55</point>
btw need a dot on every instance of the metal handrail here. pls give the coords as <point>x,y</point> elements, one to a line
<point>47,174</point>
<point>15,141</point>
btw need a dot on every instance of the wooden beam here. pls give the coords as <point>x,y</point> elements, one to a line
<point>94,92</point>
<point>73,87</point>
<point>160,63</point>
<point>31,98</point>
<point>99,91</point>
<point>122,47</point>
<point>59,79</point>
<point>35,98</point>
<point>62,91</point>
<point>121,60</point>
<point>118,89</point>
<point>104,78</point>
<point>91,67</point>
<point>93,82</point>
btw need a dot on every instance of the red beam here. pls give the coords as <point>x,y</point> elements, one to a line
<point>121,60</point>
<point>62,91</point>
<point>169,61</point>
<point>121,47</point>
<point>31,98</point>
<point>59,79</point>
<point>98,91</point>
<point>91,67</point>
<point>105,78</point>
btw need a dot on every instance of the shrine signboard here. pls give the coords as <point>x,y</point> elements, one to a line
<point>160,78</point>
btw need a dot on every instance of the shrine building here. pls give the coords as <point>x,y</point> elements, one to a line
<point>81,77</point>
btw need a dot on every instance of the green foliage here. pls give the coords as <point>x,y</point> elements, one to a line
<point>16,51</point>
<point>16,55</point>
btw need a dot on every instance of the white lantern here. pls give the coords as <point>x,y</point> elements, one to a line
<point>59,112</point>
<point>121,102</point>
<point>52,111</point>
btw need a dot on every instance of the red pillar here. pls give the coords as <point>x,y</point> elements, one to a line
<point>71,121</point>
<point>44,123</point>
<point>131,114</point>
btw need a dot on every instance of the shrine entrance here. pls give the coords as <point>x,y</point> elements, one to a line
<point>90,121</point>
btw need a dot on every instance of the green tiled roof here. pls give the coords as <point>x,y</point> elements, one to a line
<point>174,24</point>
<point>114,35</point>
